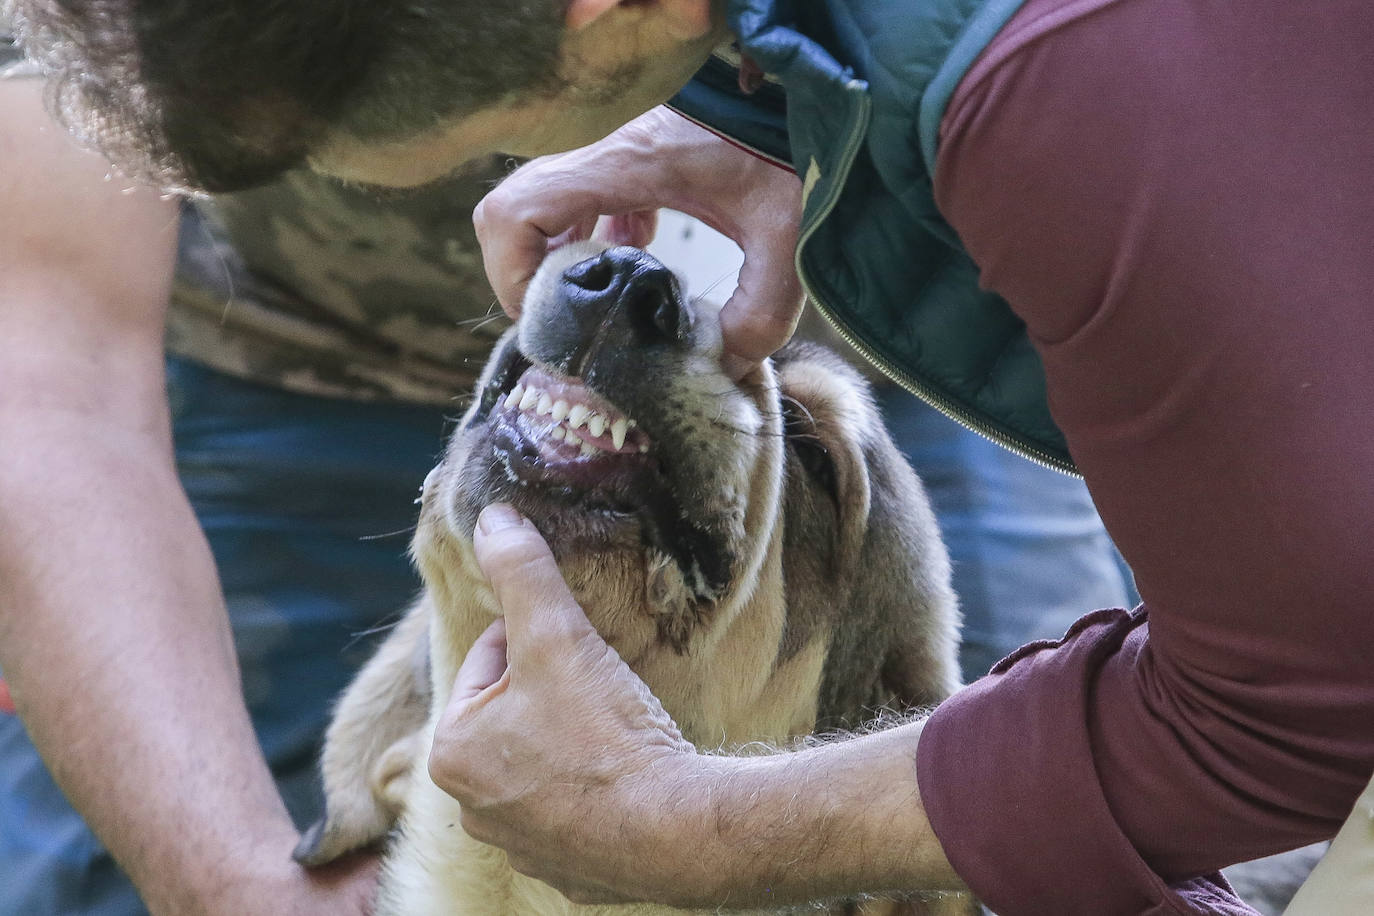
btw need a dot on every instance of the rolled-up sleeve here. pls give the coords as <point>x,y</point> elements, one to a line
<point>1010,783</point>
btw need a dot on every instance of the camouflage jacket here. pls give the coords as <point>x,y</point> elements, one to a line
<point>325,289</point>
<point>328,290</point>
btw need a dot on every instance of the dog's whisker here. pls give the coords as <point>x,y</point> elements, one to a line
<point>387,624</point>
<point>473,324</point>
<point>409,529</point>
<point>712,286</point>
<point>788,401</point>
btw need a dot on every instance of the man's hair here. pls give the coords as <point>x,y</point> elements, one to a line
<point>218,95</point>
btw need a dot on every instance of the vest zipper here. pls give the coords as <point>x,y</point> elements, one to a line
<point>898,375</point>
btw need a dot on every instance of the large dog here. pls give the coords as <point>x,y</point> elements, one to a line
<point>758,552</point>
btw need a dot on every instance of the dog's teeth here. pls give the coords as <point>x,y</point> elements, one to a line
<point>515,394</point>
<point>643,448</point>
<point>618,430</point>
<point>632,423</point>
<point>573,439</point>
<point>560,410</point>
<point>530,399</point>
<point>558,432</point>
<point>596,424</point>
<point>588,450</point>
<point>577,416</point>
<point>545,404</point>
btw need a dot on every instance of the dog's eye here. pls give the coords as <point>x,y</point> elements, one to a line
<point>800,430</point>
<point>816,460</point>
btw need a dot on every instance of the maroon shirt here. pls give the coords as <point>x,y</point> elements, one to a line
<point>1177,196</point>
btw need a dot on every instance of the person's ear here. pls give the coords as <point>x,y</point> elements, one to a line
<point>689,18</point>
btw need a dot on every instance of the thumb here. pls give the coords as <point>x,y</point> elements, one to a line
<point>763,311</point>
<point>636,228</point>
<point>483,666</point>
<point>530,590</point>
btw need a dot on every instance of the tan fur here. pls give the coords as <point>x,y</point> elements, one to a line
<point>759,662</point>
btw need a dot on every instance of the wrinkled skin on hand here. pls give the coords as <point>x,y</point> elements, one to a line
<point>559,754</point>
<point>529,773</point>
<point>658,160</point>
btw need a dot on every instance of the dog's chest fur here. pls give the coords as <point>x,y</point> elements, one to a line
<point>735,689</point>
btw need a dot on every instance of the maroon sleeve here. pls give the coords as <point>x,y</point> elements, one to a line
<point>1178,198</point>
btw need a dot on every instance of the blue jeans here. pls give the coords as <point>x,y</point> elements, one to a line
<point>307,504</point>
<point>1030,554</point>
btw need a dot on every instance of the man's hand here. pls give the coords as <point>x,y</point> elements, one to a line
<point>560,755</point>
<point>549,736</point>
<point>658,160</point>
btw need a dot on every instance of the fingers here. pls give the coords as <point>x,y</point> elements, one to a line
<point>658,160</point>
<point>483,667</point>
<point>636,228</point>
<point>512,247</point>
<point>548,203</point>
<point>761,315</point>
<point>528,586</point>
<point>560,197</point>
<point>577,232</point>
<point>346,885</point>
<point>763,311</point>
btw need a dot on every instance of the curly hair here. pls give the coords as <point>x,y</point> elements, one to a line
<point>220,95</point>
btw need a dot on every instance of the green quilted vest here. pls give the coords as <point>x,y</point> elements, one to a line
<point>866,83</point>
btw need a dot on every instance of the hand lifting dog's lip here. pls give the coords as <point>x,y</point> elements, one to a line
<point>606,419</point>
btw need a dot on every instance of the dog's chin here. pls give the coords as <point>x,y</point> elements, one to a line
<point>579,504</point>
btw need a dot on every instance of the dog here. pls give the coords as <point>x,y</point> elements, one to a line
<point>757,551</point>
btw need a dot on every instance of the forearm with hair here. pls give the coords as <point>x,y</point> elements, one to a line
<point>113,633</point>
<point>114,639</point>
<point>833,820</point>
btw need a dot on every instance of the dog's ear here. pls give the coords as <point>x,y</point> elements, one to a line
<point>826,411</point>
<point>894,624</point>
<point>908,582</point>
<point>371,743</point>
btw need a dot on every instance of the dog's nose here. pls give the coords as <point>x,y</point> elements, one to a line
<point>630,286</point>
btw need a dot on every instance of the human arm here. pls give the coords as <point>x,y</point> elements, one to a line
<point>1194,355</point>
<point>596,792</point>
<point>113,633</point>
<point>660,159</point>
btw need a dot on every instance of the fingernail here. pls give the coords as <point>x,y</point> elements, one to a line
<point>498,516</point>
